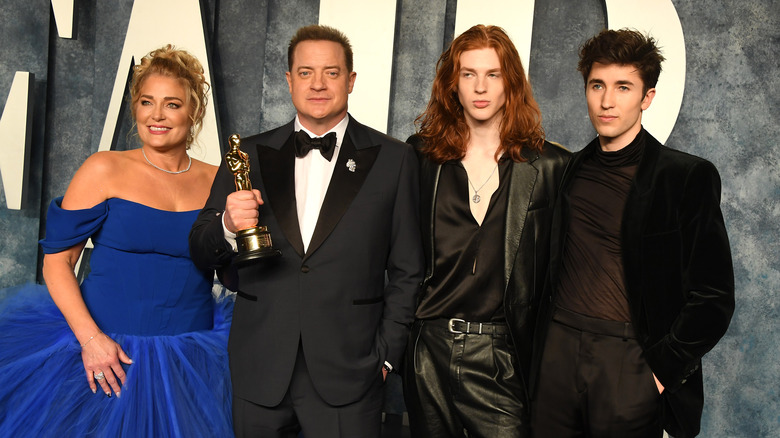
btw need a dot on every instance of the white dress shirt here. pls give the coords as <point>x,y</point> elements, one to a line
<point>312,178</point>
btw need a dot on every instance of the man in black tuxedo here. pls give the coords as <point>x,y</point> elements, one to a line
<point>642,284</point>
<point>316,331</point>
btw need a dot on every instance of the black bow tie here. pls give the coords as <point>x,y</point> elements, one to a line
<point>304,144</point>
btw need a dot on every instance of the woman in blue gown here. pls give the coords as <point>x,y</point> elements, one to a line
<point>139,348</point>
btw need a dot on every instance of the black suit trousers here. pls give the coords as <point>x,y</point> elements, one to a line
<point>302,409</point>
<point>594,382</point>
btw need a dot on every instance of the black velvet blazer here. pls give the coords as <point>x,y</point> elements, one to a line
<point>678,271</point>
<point>533,189</point>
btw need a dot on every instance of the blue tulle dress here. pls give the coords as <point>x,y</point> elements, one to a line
<point>145,293</point>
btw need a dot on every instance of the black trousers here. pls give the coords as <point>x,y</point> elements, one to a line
<point>459,384</point>
<point>594,382</point>
<point>302,409</point>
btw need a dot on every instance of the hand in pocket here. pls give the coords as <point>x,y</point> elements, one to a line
<point>658,385</point>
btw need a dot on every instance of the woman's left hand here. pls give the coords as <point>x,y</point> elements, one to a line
<point>102,357</point>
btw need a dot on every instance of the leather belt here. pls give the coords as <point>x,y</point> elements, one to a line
<point>458,326</point>
<point>585,323</point>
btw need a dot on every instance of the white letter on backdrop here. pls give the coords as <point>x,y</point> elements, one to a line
<point>370,27</point>
<point>660,20</point>
<point>16,133</point>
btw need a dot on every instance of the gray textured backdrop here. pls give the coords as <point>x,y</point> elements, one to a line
<point>729,115</point>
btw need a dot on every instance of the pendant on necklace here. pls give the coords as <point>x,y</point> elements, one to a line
<point>476,198</point>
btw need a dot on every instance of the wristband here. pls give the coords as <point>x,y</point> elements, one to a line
<point>93,337</point>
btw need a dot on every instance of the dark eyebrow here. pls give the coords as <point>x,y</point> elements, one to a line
<point>327,67</point>
<point>601,82</point>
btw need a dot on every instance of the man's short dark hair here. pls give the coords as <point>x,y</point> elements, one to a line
<point>624,47</point>
<point>317,32</point>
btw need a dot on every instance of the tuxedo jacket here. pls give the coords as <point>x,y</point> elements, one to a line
<point>678,272</point>
<point>533,188</point>
<point>349,298</point>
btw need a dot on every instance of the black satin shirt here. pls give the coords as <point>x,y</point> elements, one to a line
<point>468,275</point>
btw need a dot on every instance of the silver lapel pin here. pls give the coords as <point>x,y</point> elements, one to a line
<point>351,165</point>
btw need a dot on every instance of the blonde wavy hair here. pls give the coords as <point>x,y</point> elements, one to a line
<point>179,64</point>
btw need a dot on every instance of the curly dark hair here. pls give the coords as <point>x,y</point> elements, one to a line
<point>624,47</point>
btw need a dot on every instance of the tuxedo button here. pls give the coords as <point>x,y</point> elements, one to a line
<point>304,269</point>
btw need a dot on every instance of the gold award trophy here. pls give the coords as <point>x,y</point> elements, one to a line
<point>254,243</point>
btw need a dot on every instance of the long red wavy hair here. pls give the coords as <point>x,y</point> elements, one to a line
<point>443,126</point>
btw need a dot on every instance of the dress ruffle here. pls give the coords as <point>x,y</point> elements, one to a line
<point>177,386</point>
<point>79,225</point>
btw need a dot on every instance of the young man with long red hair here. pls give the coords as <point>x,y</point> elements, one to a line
<point>488,184</point>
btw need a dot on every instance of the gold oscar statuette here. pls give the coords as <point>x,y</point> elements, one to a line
<point>254,243</point>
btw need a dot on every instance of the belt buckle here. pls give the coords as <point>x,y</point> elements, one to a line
<point>451,323</point>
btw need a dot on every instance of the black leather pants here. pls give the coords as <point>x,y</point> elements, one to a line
<point>459,384</point>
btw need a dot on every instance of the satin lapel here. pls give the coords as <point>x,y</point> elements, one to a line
<point>344,186</point>
<point>521,186</point>
<point>278,170</point>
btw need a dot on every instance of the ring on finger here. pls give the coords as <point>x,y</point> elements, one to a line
<point>99,375</point>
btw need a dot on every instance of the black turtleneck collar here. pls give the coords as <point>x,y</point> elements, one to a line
<point>627,156</point>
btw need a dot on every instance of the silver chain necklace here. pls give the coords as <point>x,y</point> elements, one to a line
<point>167,171</point>
<point>476,198</point>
